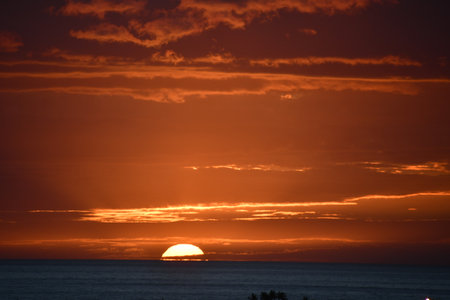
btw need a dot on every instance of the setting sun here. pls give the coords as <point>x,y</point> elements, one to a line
<point>181,251</point>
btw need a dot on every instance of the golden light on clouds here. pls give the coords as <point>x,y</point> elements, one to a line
<point>176,84</point>
<point>207,212</point>
<point>380,207</point>
<point>257,167</point>
<point>427,168</point>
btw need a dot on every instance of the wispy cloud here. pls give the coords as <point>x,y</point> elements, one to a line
<point>427,168</point>
<point>215,58</point>
<point>421,206</point>
<point>171,57</point>
<point>107,32</point>
<point>97,76</point>
<point>203,213</point>
<point>264,6</point>
<point>9,41</point>
<point>191,17</point>
<point>307,31</point>
<point>100,7</point>
<point>400,196</point>
<point>315,60</point>
<point>257,167</point>
<point>83,59</point>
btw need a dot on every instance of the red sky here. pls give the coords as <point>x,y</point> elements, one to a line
<point>254,129</point>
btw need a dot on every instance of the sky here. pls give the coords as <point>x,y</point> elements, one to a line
<point>289,130</point>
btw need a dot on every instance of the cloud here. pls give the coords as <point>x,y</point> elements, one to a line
<point>193,17</point>
<point>237,14</point>
<point>401,196</point>
<point>427,168</point>
<point>107,32</point>
<point>307,31</point>
<point>9,41</point>
<point>100,7</point>
<point>150,34</point>
<point>169,57</point>
<point>215,58</point>
<point>89,75</point>
<point>173,58</point>
<point>420,206</point>
<point>314,60</point>
<point>204,212</point>
<point>173,26</point>
<point>429,206</point>
<point>82,58</point>
<point>260,167</point>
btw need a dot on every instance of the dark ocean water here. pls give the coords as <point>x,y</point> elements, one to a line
<point>75,279</point>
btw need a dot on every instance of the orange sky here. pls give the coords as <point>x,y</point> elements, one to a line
<point>254,129</point>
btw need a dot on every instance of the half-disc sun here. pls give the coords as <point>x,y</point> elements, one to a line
<point>182,252</point>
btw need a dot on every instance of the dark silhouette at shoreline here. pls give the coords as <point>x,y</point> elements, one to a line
<point>271,295</point>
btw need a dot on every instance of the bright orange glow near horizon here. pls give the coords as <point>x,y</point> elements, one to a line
<point>267,130</point>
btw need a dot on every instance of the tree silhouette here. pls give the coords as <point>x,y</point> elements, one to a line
<point>252,297</point>
<point>281,296</point>
<point>271,295</point>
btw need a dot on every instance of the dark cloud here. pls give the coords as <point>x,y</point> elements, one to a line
<point>9,41</point>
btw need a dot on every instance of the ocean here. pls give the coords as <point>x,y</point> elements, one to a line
<point>100,279</point>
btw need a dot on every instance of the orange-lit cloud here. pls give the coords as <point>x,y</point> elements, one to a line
<point>247,10</point>
<point>107,32</point>
<point>313,60</point>
<point>428,168</point>
<point>308,31</point>
<point>401,196</point>
<point>260,167</point>
<point>9,41</point>
<point>216,58</point>
<point>167,29</point>
<point>422,206</point>
<point>100,7</point>
<point>169,57</point>
<point>175,84</point>
<point>81,58</point>
<point>202,213</point>
<point>286,97</point>
<point>192,17</point>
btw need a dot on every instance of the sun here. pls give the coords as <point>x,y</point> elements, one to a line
<point>183,252</point>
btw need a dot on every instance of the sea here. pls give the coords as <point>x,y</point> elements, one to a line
<point>215,280</point>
